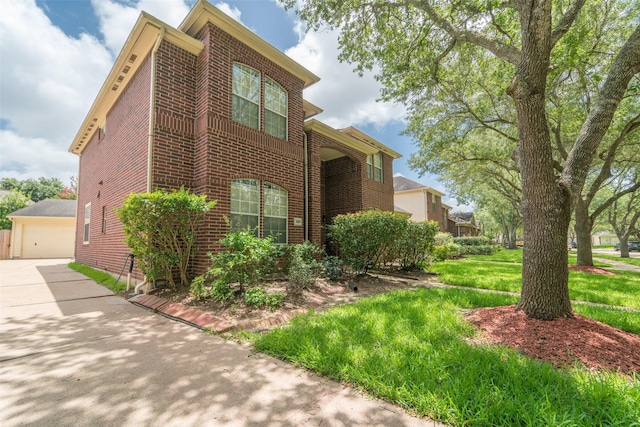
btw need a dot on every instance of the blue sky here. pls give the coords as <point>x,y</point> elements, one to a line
<point>55,55</point>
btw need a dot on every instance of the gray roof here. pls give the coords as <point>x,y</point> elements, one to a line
<point>400,210</point>
<point>49,208</point>
<point>462,216</point>
<point>400,183</point>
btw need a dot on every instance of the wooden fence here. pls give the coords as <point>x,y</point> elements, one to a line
<point>5,240</point>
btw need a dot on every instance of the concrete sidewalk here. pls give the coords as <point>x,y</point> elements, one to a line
<point>72,353</point>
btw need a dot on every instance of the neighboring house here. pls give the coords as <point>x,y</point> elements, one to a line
<point>424,203</point>
<point>214,108</point>
<point>604,238</point>
<point>463,224</point>
<point>45,229</point>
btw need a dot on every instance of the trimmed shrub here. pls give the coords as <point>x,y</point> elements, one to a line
<point>364,239</point>
<point>443,239</point>
<point>472,241</point>
<point>247,260</point>
<point>413,248</point>
<point>160,229</point>
<point>440,253</point>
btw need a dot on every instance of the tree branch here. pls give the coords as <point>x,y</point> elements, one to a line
<point>566,21</point>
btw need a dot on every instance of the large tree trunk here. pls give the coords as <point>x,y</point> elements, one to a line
<point>546,203</point>
<point>583,228</point>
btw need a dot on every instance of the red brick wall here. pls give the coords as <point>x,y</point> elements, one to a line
<point>225,150</point>
<point>341,185</point>
<point>110,169</point>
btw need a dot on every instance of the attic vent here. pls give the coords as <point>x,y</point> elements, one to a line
<point>114,88</point>
<point>133,57</point>
<point>120,79</point>
<point>126,69</point>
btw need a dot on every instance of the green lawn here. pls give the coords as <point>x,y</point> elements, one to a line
<point>515,255</point>
<point>412,348</point>
<point>632,261</point>
<point>622,289</point>
<point>99,276</point>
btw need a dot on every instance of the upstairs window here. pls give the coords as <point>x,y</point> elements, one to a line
<point>434,202</point>
<point>246,96</point>
<point>275,109</point>
<point>245,205</point>
<point>374,167</point>
<point>276,207</point>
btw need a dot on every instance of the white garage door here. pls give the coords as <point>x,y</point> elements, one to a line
<point>48,241</point>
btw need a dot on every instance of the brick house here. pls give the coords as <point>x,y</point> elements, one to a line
<point>214,108</point>
<point>424,203</point>
<point>463,224</point>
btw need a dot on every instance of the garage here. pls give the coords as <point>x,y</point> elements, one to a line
<point>44,230</point>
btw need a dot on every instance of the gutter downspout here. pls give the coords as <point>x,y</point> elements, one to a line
<point>152,116</point>
<point>152,102</point>
<point>305,145</point>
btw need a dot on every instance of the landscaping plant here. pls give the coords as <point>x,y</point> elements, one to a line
<point>303,265</point>
<point>364,239</point>
<point>160,229</point>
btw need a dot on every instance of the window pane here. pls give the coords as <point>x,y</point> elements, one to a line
<point>246,96</point>
<point>241,222</point>
<point>275,125</point>
<point>245,204</point>
<point>245,112</point>
<point>276,227</point>
<point>275,109</point>
<point>276,202</point>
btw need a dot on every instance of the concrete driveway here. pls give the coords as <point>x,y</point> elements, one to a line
<point>73,354</point>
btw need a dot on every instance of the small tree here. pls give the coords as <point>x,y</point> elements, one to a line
<point>10,203</point>
<point>160,229</point>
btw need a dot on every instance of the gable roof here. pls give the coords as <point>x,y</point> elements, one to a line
<point>146,32</point>
<point>203,12</point>
<point>363,143</point>
<point>402,183</point>
<point>51,208</point>
<point>462,216</point>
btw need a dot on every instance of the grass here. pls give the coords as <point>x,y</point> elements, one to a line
<point>100,277</point>
<point>632,261</point>
<point>515,256</point>
<point>412,348</point>
<point>623,289</point>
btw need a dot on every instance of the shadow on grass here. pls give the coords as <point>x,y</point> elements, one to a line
<point>415,349</point>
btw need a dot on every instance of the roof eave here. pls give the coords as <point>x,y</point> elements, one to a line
<point>203,12</point>
<point>143,36</point>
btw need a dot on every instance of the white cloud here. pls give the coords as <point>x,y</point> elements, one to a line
<point>48,83</point>
<point>346,98</point>
<point>232,11</point>
<point>24,158</point>
<point>117,19</point>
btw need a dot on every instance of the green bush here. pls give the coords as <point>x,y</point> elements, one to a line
<point>331,267</point>
<point>472,241</point>
<point>304,266</point>
<point>413,247</point>
<point>443,239</point>
<point>160,229</point>
<point>364,240</point>
<point>479,249</point>
<point>440,253</point>
<point>221,291</point>
<point>258,297</point>
<point>247,259</point>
